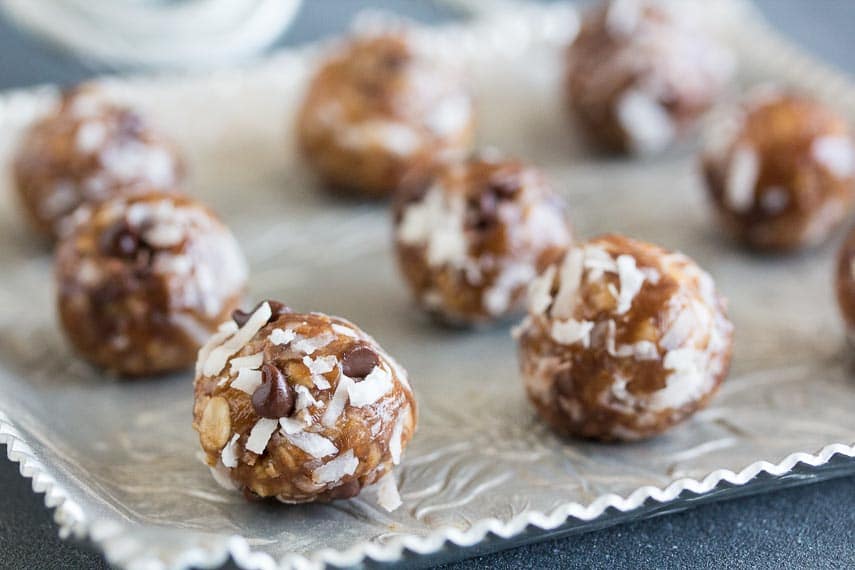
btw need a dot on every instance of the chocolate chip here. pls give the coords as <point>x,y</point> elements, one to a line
<point>346,490</point>
<point>122,241</point>
<point>275,397</point>
<point>131,124</point>
<point>504,185</point>
<point>359,361</point>
<point>276,308</point>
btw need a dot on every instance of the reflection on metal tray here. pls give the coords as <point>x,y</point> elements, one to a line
<point>119,460</point>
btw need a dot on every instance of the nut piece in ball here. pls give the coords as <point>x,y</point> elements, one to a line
<point>622,340</point>
<point>469,244</point>
<point>380,113</point>
<point>638,75</point>
<point>781,173</point>
<point>301,408</point>
<point>86,151</point>
<point>143,281</point>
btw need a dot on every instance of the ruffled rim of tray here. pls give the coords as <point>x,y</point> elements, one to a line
<point>123,548</point>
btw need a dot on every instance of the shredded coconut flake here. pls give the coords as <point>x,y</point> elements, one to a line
<point>305,398</point>
<point>387,493</point>
<point>570,279</point>
<point>540,292</point>
<point>224,331</point>
<point>377,384</point>
<point>836,153</point>
<point>572,331</point>
<point>742,173</point>
<point>248,361</point>
<point>296,424</point>
<point>229,453</point>
<point>247,381</point>
<point>344,330</point>
<point>260,435</point>
<point>631,281</point>
<point>647,123</point>
<point>437,222</point>
<point>217,358</point>
<point>315,445</point>
<point>310,345</point>
<point>281,336</point>
<point>320,365</point>
<point>395,442</point>
<point>344,464</point>
<point>337,402</point>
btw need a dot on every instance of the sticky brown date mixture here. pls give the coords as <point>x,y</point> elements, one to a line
<point>781,172</point>
<point>469,244</point>
<point>638,75</point>
<point>85,151</point>
<point>143,281</point>
<point>301,407</point>
<point>622,340</point>
<point>379,113</point>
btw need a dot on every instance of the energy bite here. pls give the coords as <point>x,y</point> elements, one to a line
<point>469,244</point>
<point>380,112</point>
<point>143,281</point>
<point>301,407</point>
<point>622,340</point>
<point>86,151</point>
<point>781,173</point>
<point>638,75</point>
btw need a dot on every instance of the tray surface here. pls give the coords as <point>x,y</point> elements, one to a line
<point>120,460</point>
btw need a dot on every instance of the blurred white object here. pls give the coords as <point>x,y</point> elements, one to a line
<point>157,33</point>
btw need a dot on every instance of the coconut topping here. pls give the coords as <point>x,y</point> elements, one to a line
<point>315,445</point>
<point>572,331</point>
<point>248,380</point>
<point>540,292</point>
<point>741,179</point>
<point>281,337</point>
<point>376,385</point>
<point>229,453</point>
<point>305,398</point>
<point>260,435</point>
<point>249,361</point>
<point>338,402</point>
<point>631,281</point>
<point>387,493</point>
<point>395,446</point>
<point>436,221</point>
<point>836,153</point>
<point>343,465</point>
<point>216,360</point>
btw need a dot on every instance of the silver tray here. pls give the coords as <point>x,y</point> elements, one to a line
<point>119,463</point>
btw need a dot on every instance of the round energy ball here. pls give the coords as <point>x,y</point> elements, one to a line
<point>845,282</point>
<point>301,407</point>
<point>380,113</point>
<point>781,173</point>
<point>638,75</point>
<point>622,340</point>
<point>469,244</point>
<point>86,151</point>
<point>143,281</point>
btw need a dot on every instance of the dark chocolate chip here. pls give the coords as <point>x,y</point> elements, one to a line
<point>277,309</point>
<point>346,490</point>
<point>504,185</point>
<point>122,241</point>
<point>275,397</point>
<point>359,361</point>
<point>131,124</point>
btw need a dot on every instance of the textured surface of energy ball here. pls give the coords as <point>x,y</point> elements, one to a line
<point>301,407</point>
<point>781,172</point>
<point>638,75</point>
<point>845,282</point>
<point>143,281</point>
<point>622,340</point>
<point>469,243</point>
<point>86,151</point>
<point>380,113</point>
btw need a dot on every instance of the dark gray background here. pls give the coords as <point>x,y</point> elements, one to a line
<point>805,527</point>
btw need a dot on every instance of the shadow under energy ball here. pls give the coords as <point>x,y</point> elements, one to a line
<point>143,281</point>
<point>381,112</point>
<point>85,151</point>
<point>639,74</point>
<point>781,172</point>
<point>301,408</point>
<point>622,340</point>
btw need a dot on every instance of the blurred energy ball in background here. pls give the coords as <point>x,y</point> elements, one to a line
<point>156,33</point>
